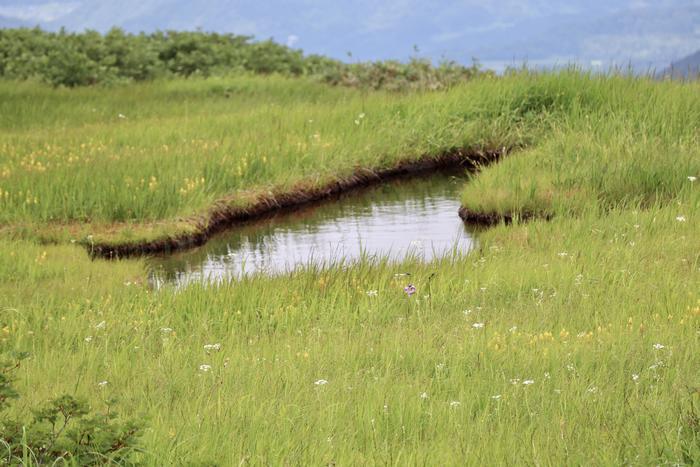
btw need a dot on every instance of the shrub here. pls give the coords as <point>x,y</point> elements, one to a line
<point>79,59</point>
<point>64,428</point>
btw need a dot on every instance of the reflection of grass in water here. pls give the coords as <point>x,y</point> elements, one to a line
<point>416,195</point>
<point>575,307</point>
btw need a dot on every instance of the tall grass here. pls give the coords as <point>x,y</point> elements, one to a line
<point>157,151</point>
<point>611,142</point>
<point>577,306</point>
<point>563,342</point>
<point>179,146</point>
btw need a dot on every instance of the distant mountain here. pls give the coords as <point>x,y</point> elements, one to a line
<point>685,68</point>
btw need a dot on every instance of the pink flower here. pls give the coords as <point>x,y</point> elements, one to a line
<point>410,289</point>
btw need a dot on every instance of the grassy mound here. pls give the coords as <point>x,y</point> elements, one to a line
<point>610,143</point>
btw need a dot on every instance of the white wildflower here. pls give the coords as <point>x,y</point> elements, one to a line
<point>212,347</point>
<point>204,367</point>
<point>528,382</point>
<point>88,339</point>
<point>121,116</point>
<point>320,382</point>
<point>547,375</point>
<point>635,377</point>
<point>658,364</point>
<point>680,218</point>
<point>166,330</point>
<point>371,293</point>
<point>592,389</point>
<point>101,325</point>
<point>455,404</point>
<point>515,381</point>
<point>692,178</point>
<point>424,395</point>
<point>478,325</point>
<point>102,383</point>
<point>496,397</point>
<point>659,346</point>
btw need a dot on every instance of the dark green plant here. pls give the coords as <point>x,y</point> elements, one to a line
<point>64,428</point>
<point>78,59</point>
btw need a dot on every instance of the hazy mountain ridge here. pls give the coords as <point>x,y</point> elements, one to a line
<point>688,67</point>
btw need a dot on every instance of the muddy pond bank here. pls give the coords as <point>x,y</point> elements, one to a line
<point>229,212</point>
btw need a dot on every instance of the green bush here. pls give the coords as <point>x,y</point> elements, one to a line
<point>64,428</point>
<point>79,59</point>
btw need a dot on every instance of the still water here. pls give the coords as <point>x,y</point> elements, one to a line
<point>415,216</point>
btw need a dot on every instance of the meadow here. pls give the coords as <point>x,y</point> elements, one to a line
<point>569,339</point>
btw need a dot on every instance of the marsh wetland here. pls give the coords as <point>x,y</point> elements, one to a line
<point>569,339</point>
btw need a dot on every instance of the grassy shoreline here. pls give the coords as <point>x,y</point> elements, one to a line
<point>183,146</point>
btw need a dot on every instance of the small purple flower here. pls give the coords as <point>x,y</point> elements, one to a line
<point>409,289</point>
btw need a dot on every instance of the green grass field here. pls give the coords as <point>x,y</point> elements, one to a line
<point>573,341</point>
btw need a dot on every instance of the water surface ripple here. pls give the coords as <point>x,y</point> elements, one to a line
<point>415,216</point>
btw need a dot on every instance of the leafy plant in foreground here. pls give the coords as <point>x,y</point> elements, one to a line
<point>64,428</point>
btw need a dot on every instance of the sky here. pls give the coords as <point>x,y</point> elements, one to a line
<point>591,33</point>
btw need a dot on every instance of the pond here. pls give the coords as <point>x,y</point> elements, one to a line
<point>414,216</point>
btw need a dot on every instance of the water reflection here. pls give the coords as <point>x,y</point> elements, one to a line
<point>416,216</point>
